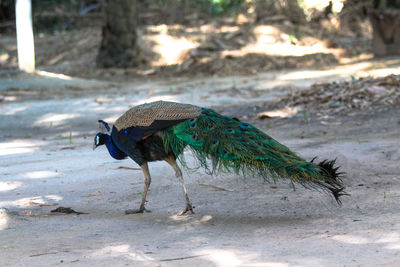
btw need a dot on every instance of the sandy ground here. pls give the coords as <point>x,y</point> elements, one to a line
<point>47,127</point>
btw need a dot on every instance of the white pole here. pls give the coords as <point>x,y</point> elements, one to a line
<point>25,42</point>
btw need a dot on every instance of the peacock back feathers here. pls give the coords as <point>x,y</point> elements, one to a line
<point>146,114</point>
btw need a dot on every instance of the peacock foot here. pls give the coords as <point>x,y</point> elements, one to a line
<point>188,207</point>
<point>136,211</point>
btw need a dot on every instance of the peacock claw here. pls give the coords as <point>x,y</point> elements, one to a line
<point>136,211</point>
<point>188,207</point>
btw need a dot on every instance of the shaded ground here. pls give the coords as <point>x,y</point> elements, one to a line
<point>47,126</point>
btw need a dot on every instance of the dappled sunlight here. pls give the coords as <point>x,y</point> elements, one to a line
<point>337,5</point>
<point>123,250</point>
<point>4,218</point>
<point>168,47</point>
<point>384,72</point>
<point>389,238</point>
<point>313,74</point>
<point>40,174</point>
<point>270,40</point>
<point>16,109</point>
<point>265,40</point>
<point>55,119</point>
<point>54,197</point>
<point>395,246</point>
<point>388,241</point>
<point>17,147</point>
<point>194,221</point>
<point>286,49</point>
<point>358,69</point>
<point>53,75</point>
<point>351,239</point>
<point>221,257</point>
<point>27,201</point>
<point>4,57</point>
<point>214,257</point>
<point>286,112</point>
<point>9,185</point>
<point>230,257</point>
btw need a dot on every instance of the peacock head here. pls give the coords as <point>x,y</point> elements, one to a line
<point>99,139</point>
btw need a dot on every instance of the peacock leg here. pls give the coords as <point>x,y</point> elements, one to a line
<point>147,181</point>
<point>178,173</point>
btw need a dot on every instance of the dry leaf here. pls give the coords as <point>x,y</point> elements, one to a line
<point>67,147</point>
<point>95,194</point>
<point>341,97</point>
<point>48,205</point>
<point>377,90</point>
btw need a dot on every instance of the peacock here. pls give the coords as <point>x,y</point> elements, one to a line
<point>162,130</point>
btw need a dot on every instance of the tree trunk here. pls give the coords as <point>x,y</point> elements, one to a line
<point>119,46</point>
<point>386,32</point>
<point>25,40</point>
<point>290,9</point>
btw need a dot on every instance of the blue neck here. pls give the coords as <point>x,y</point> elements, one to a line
<point>113,150</point>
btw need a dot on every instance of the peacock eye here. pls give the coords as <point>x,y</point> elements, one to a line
<point>97,140</point>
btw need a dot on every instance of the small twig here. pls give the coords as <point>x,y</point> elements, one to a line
<point>183,258</point>
<point>48,253</point>
<point>94,194</point>
<point>129,168</point>
<point>216,187</point>
<point>42,254</point>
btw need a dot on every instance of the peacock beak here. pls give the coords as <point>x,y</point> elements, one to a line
<point>94,146</point>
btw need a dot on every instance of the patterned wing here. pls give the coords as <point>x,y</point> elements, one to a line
<point>145,115</point>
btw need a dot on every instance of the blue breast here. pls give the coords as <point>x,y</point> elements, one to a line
<point>113,150</point>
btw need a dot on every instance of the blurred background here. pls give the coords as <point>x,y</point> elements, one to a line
<point>205,37</point>
<point>296,43</point>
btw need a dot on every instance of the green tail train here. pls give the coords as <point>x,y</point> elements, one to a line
<point>223,144</point>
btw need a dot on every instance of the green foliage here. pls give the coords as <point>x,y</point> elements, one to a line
<point>293,38</point>
<point>218,7</point>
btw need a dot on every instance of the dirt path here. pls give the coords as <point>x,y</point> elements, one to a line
<point>46,159</point>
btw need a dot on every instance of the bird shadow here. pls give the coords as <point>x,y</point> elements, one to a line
<point>230,220</point>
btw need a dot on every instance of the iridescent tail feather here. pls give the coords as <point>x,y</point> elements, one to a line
<point>223,144</point>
